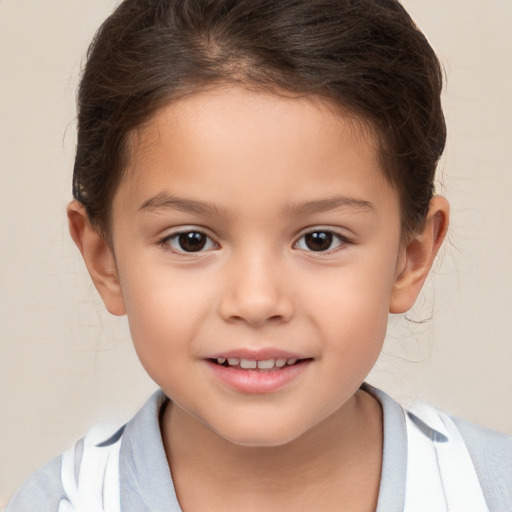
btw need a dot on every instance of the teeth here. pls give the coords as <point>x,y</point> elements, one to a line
<point>248,364</point>
<point>252,364</point>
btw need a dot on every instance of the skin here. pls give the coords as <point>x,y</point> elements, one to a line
<point>255,172</point>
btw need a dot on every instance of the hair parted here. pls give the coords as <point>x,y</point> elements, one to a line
<point>365,56</point>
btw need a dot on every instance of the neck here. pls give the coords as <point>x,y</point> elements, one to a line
<point>338,455</point>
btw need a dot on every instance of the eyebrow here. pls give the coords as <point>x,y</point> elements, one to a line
<point>331,203</point>
<point>164,201</point>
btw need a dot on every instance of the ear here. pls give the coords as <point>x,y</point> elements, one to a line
<point>417,256</point>
<point>98,258</point>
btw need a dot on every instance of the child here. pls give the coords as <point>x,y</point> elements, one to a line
<point>254,189</point>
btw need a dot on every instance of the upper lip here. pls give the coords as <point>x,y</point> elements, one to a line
<point>263,354</point>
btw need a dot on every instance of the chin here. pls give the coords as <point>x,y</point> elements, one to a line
<point>260,442</point>
<point>262,436</point>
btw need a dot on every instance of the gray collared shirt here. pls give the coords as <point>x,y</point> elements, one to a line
<point>146,482</point>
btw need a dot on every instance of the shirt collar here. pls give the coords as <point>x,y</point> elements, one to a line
<point>429,422</point>
<point>146,482</point>
<point>145,478</point>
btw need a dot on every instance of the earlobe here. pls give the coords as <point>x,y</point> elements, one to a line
<point>417,257</point>
<point>98,258</point>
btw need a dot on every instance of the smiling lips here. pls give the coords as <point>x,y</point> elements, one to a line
<point>253,364</point>
<point>257,373</point>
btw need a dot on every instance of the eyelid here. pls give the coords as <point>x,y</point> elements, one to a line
<point>338,231</point>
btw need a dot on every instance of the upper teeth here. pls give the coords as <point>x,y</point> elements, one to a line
<point>249,364</point>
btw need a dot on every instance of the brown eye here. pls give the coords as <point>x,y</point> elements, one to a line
<point>190,241</point>
<point>320,241</point>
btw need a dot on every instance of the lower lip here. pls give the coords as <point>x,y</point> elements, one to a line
<point>255,381</point>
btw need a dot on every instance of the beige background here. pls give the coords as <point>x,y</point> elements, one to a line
<point>65,364</point>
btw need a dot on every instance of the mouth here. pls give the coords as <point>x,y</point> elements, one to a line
<point>261,365</point>
<point>260,374</point>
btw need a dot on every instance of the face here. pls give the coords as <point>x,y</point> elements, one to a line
<point>256,241</point>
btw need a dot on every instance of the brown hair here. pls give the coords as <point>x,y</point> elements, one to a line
<point>366,56</point>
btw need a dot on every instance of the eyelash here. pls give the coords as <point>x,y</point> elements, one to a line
<point>327,235</point>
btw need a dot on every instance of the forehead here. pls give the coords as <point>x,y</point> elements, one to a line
<point>230,139</point>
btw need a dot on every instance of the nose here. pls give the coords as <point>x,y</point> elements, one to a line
<point>256,292</point>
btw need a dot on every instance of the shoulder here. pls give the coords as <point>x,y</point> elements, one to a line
<point>55,482</point>
<point>488,451</point>
<point>141,455</point>
<point>491,453</point>
<point>487,446</point>
<point>42,491</point>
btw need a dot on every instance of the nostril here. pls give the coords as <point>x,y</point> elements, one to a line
<point>256,306</point>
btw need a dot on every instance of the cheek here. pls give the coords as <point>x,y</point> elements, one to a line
<point>165,310</point>
<point>352,305</point>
